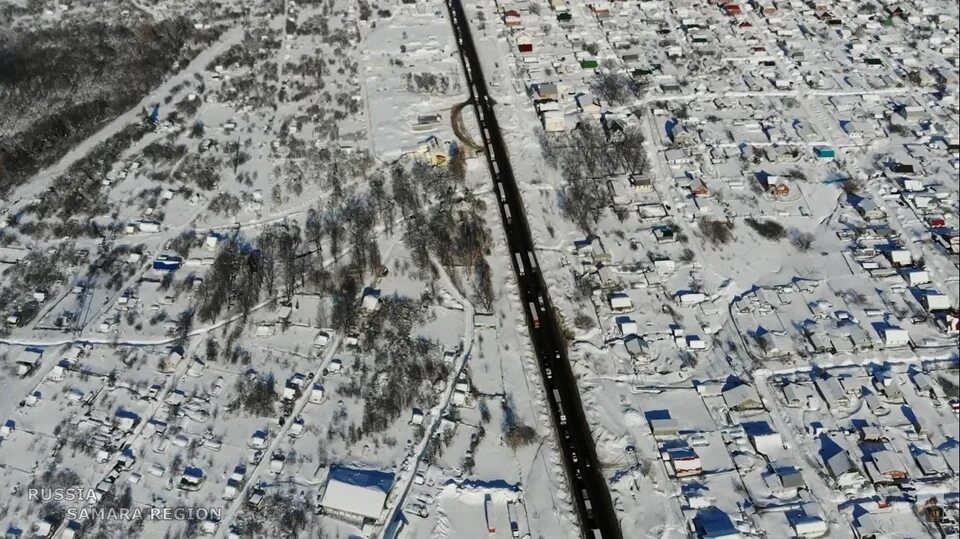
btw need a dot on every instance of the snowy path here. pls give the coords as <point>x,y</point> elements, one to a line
<point>279,437</point>
<point>405,477</point>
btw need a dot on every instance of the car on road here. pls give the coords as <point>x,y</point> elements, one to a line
<point>549,373</point>
<point>541,303</point>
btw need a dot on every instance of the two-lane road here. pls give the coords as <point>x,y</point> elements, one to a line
<point>587,484</point>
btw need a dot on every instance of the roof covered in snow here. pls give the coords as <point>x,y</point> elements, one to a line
<point>361,492</point>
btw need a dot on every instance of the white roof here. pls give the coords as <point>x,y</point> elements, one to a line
<point>365,501</point>
<point>741,394</point>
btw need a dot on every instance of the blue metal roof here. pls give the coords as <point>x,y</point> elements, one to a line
<point>362,478</point>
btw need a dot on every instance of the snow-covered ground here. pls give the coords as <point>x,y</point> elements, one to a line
<point>746,214</point>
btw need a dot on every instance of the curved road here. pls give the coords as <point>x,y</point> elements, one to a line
<point>597,516</point>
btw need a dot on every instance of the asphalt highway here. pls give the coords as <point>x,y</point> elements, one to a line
<point>585,476</point>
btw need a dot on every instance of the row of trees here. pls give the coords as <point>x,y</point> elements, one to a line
<point>585,158</point>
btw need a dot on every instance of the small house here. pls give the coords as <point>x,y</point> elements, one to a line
<point>900,257</point>
<point>915,277</point>
<point>524,43</point>
<point>620,302</point>
<point>371,299</point>
<point>831,391</point>
<point>191,479</point>
<point>28,361</point>
<point>798,395</point>
<point>664,427</point>
<point>553,121</point>
<point>742,397</point>
<point>840,465</point>
<point>588,104</point>
<point>935,301</point>
<point>894,337</point>
<point>884,467</point>
<point>764,439</point>
<point>683,461</point>
<point>869,210</point>
<point>316,394</point>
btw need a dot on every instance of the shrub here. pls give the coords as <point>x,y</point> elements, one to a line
<point>520,435</point>
<point>767,228</point>
<point>715,230</point>
<point>803,241</point>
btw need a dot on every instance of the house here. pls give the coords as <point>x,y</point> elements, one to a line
<point>932,464</point>
<point>764,439</point>
<point>167,263</point>
<point>831,391</point>
<point>894,337</point>
<point>884,467</point>
<point>524,43</point>
<point>916,277</point>
<point>689,299</point>
<point>511,18</point>
<point>900,257</point>
<point>547,90</point>
<point>126,420</point>
<point>316,394</point>
<point>620,302</point>
<point>682,460</point>
<point>642,184</point>
<point>913,113</point>
<point>778,187</point>
<point>588,104</point>
<point>664,427</point>
<point>788,474</point>
<point>191,479</point>
<point>732,9</point>
<point>871,433</point>
<point>798,395</point>
<point>28,361</point>
<point>712,523</point>
<point>679,134</point>
<point>935,301</point>
<point>356,495</point>
<point>371,299</point>
<point>698,188</point>
<point>742,397</point>
<point>627,326</point>
<point>840,465</point>
<point>869,210</point>
<point>553,121</point>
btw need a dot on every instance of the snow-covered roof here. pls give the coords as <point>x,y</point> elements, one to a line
<point>742,396</point>
<point>360,492</point>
